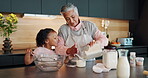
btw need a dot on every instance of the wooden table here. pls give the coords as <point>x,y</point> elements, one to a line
<point>66,72</point>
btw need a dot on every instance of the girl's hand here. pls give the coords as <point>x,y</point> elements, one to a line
<point>28,57</point>
<point>29,51</point>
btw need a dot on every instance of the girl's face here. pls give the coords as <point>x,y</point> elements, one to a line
<point>52,39</point>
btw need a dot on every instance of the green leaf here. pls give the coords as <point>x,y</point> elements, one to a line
<point>7,27</point>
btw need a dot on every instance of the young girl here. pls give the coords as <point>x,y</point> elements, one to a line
<point>45,39</point>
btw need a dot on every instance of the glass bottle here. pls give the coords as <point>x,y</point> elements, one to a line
<point>132,59</point>
<point>123,67</point>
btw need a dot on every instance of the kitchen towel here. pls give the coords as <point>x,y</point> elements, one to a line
<point>99,68</point>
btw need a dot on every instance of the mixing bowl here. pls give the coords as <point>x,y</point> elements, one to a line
<point>46,62</point>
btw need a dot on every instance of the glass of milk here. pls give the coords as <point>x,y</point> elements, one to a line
<point>123,67</point>
<point>81,63</point>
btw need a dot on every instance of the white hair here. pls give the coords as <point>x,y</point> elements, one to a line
<point>69,7</point>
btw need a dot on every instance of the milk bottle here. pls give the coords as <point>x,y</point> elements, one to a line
<point>123,67</point>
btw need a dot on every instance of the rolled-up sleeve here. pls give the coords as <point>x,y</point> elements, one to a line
<point>99,37</point>
<point>61,48</point>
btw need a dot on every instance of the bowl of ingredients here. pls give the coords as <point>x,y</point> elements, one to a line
<point>46,62</point>
<point>116,44</point>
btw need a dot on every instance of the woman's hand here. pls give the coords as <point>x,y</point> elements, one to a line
<point>68,58</point>
<point>92,43</point>
<point>72,50</point>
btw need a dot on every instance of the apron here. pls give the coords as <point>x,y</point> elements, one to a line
<point>81,40</point>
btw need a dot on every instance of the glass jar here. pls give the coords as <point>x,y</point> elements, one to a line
<point>110,58</point>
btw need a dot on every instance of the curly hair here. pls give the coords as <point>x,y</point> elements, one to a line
<point>42,36</point>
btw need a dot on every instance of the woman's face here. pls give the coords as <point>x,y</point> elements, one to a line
<point>71,18</point>
<point>52,39</point>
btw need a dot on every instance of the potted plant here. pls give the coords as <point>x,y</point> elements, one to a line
<point>7,27</point>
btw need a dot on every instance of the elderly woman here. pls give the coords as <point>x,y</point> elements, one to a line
<point>76,33</point>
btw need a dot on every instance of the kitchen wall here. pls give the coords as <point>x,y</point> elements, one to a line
<point>28,27</point>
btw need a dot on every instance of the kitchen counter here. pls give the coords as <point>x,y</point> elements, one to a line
<point>126,47</point>
<point>141,51</point>
<point>17,56</point>
<point>66,72</point>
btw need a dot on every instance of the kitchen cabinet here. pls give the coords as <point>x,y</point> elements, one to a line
<point>98,8</point>
<point>115,9</point>
<point>82,6</point>
<point>26,6</point>
<point>14,59</point>
<point>5,6</point>
<point>6,60</point>
<point>131,9</point>
<point>18,60</point>
<point>123,9</point>
<point>52,7</point>
<point>9,60</point>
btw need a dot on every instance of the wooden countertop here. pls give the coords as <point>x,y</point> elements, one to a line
<point>66,72</point>
<point>15,52</point>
